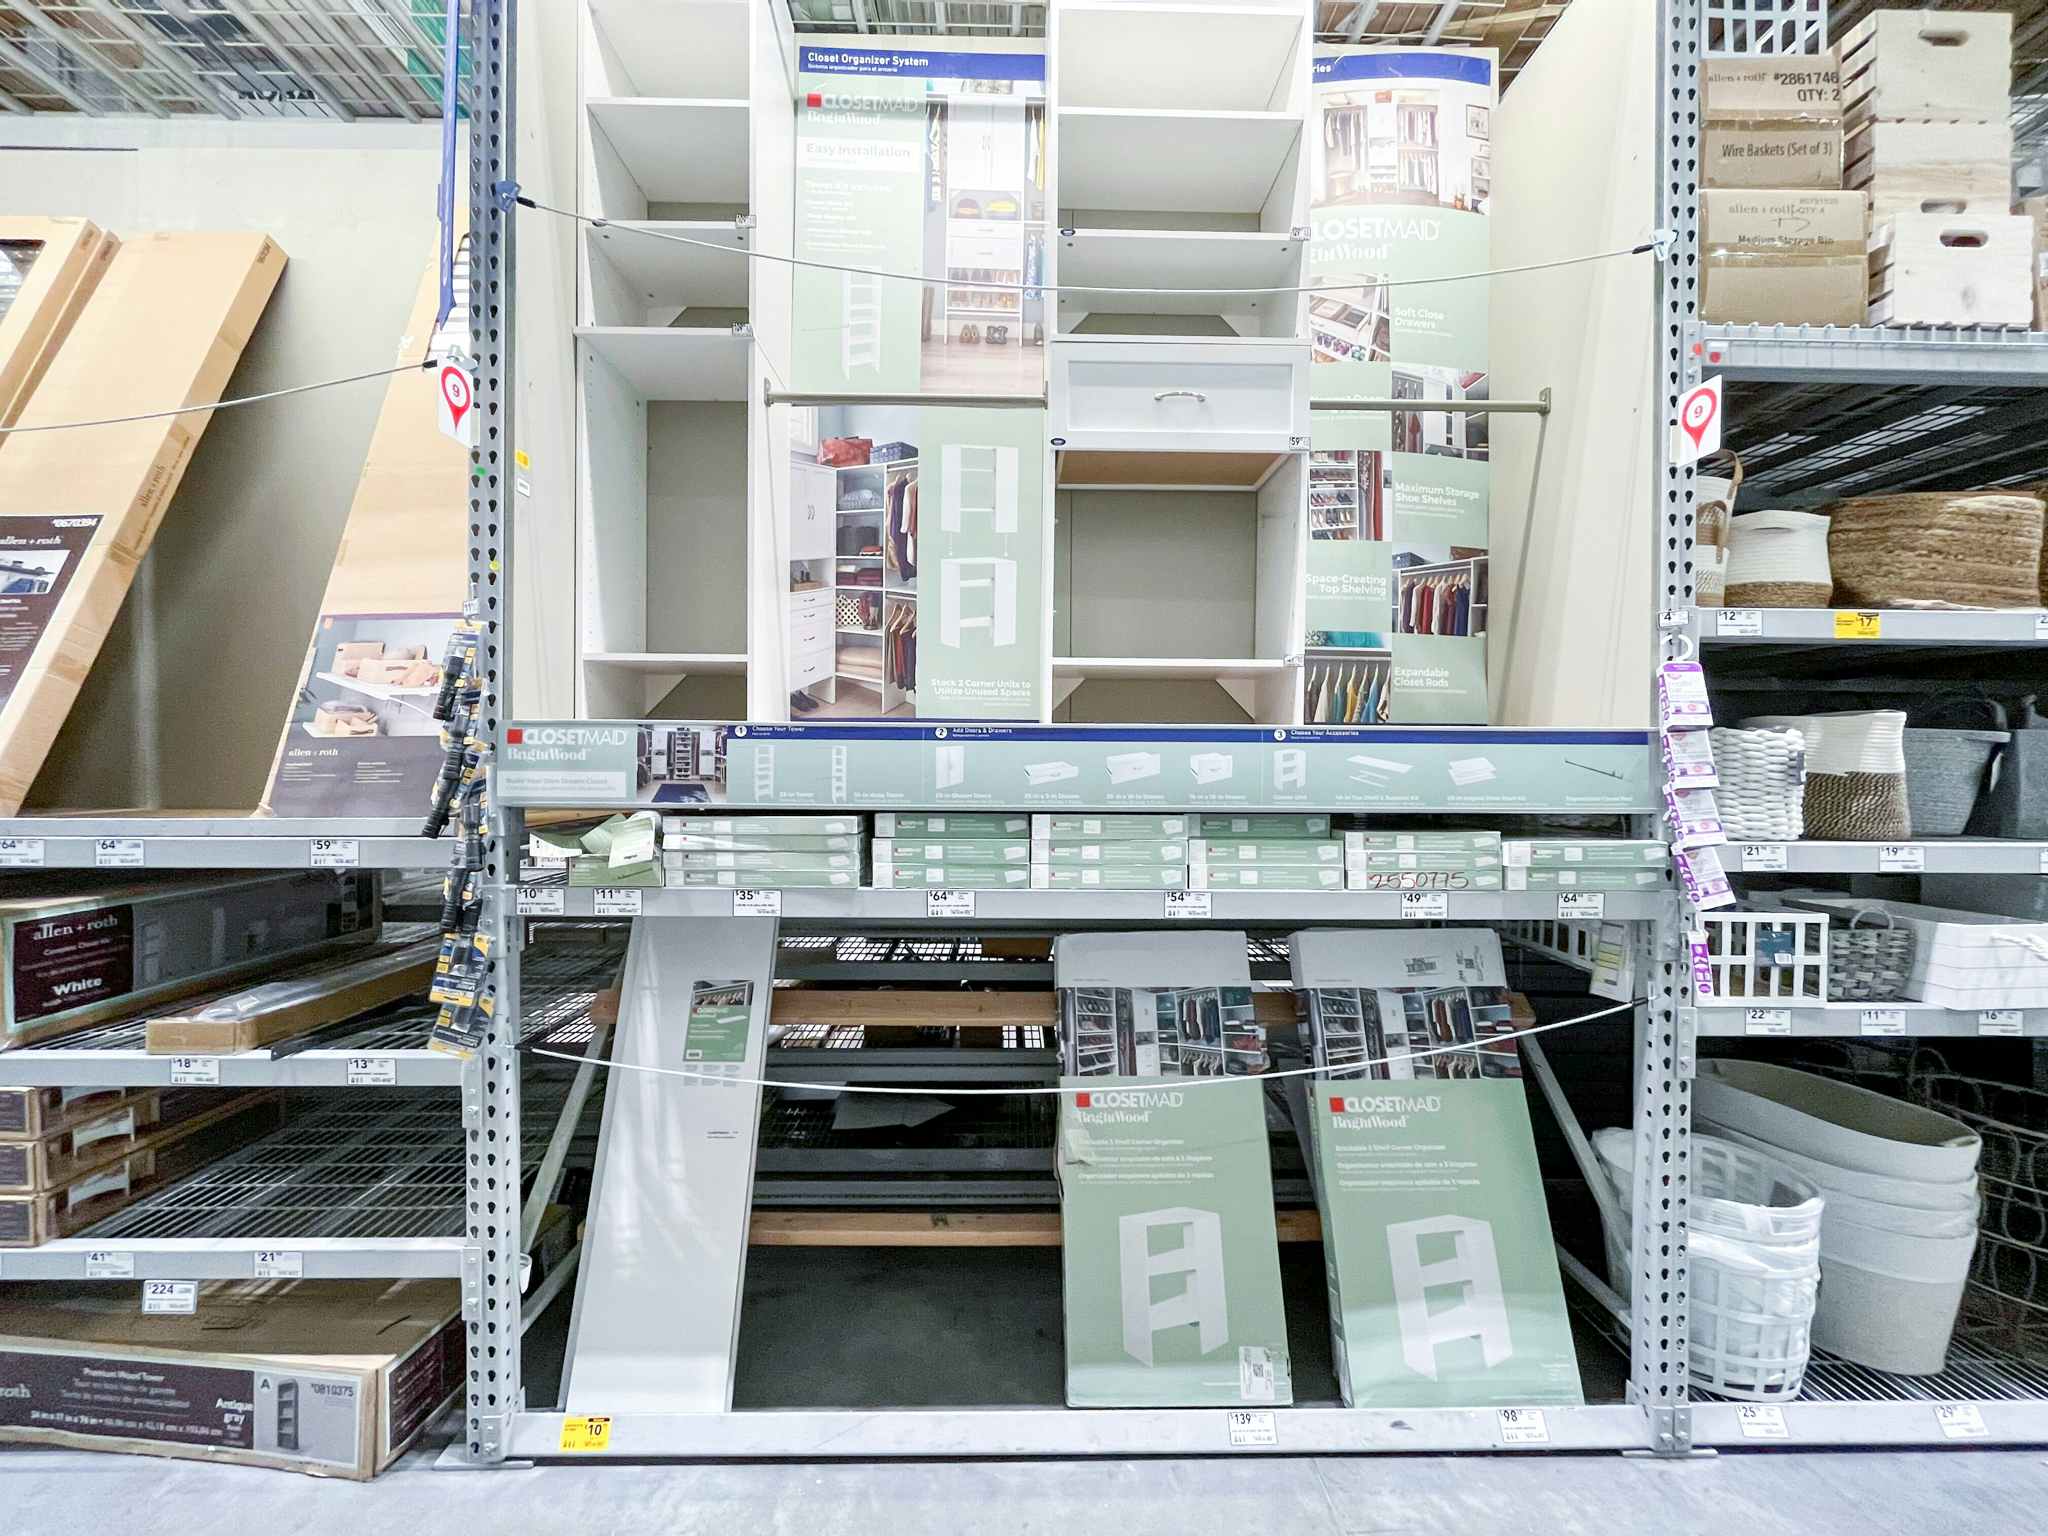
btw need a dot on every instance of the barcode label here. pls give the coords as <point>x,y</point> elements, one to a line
<point>1254,1374</point>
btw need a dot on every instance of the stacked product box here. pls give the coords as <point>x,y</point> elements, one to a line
<point>1110,853</point>
<point>776,851</point>
<point>974,852</point>
<point>1422,861</point>
<point>1585,864</point>
<point>1266,853</point>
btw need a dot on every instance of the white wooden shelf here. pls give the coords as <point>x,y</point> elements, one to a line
<point>662,271</point>
<point>640,51</point>
<point>1164,161</point>
<point>674,363</point>
<point>671,663</point>
<point>1173,258</point>
<point>1199,668</point>
<point>1224,58</point>
<point>677,149</point>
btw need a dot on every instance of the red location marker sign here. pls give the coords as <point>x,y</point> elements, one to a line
<point>1699,422</point>
<point>457,396</point>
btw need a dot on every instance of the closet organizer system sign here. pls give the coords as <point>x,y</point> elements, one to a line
<point>1399,177</point>
<point>917,537</point>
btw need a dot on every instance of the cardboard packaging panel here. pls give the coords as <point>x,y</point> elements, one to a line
<point>1773,154</point>
<point>334,1378</point>
<point>278,1010</point>
<point>1931,167</point>
<point>2036,210</point>
<point>165,328</point>
<point>48,269</point>
<point>1947,66</point>
<point>1763,87</point>
<point>1944,269</point>
<point>1785,257</point>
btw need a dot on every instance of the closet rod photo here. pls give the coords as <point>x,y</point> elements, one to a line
<point>771,396</point>
<point>1540,406</point>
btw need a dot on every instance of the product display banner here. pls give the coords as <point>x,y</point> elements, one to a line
<point>1399,501</point>
<point>1020,767</point>
<point>1444,1290</point>
<point>37,558</point>
<point>1170,1257</point>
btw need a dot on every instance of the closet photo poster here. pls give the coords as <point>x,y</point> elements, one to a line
<point>1399,178</point>
<point>916,563</point>
<point>929,163</point>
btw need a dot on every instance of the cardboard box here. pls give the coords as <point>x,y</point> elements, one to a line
<point>48,269</point>
<point>951,1010</point>
<point>2036,211</point>
<point>1787,154</point>
<point>32,1164</point>
<point>1942,269</point>
<point>292,1005</point>
<point>26,1113</point>
<point>165,327</point>
<point>1782,86</point>
<point>334,1378</point>
<point>1930,167</point>
<point>1788,258</point>
<point>1929,66</point>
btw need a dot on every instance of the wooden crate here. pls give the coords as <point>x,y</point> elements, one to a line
<point>1950,168</point>
<point>1927,66</point>
<point>60,1157</point>
<point>1933,269</point>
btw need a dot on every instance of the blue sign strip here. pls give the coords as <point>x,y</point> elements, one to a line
<point>925,66</point>
<point>1473,736</point>
<point>1471,69</point>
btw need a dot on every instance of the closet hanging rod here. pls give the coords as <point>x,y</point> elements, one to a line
<point>1540,406</point>
<point>772,396</point>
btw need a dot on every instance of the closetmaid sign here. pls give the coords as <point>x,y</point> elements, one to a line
<point>540,763</point>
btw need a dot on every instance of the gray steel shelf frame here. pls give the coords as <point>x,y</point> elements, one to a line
<point>217,842</point>
<point>1988,628</point>
<point>1934,856</point>
<point>1966,356</point>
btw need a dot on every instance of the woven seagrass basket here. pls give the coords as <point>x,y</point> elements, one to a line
<point>1975,549</point>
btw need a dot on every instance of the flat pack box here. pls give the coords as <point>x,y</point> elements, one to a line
<point>2036,211</point>
<point>334,1378</point>
<point>1790,154</point>
<point>1784,258</point>
<point>48,270</point>
<point>307,999</point>
<point>1949,269</point>
<point>74,955</point>
<point>78,509</point>
<point>1951,168</point>
<point>1927,66</point>
<point>1765,87</point>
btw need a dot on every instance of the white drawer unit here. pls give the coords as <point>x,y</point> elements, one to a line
<point>807,667</point>
<point>1146,395</point>
<point>810,607</point>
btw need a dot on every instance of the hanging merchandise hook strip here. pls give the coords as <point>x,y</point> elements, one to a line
<point>1647,247</point>
<point>222,405</point>
<point>1105,1085</point>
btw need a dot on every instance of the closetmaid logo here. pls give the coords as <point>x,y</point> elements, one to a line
<point>1383,1111</point>
<point>1131,1098</point>
<point>850,101</point>
<point>566,736</point>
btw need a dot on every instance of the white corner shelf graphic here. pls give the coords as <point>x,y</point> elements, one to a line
<point>1853,627</point>
<point>650,258</point>
<point>1179,259</point>
<point>676,149</point>
<point>1159,160</point>
<point>1932,856</point>
<point>1868,354</point>
<point>686,363</point>
<point>1210,58</point>
<point>638,50</point>
<point>170,840</point>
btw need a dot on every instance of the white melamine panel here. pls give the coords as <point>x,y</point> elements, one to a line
<point>636,275</point>
<point>672,150</point>
<point>1179,668</point>
<point>671,664</point>
<point>1206,58</point>
<point>666,48</point>
<point>613,483</point>
<point>1157,574</point>
<point>1152,158</point>
<point>673,364</point>
<point>696,526</point>
<point>1176,259</point>
<point>1277,624</point>
<point>772,198</point>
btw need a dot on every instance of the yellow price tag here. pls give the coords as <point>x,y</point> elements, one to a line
<point>1857,626</point>
<point>587,1432</point>
<point>519,457</point>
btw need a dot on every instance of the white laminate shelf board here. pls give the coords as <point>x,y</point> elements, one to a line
<point>674,363</point>
<point>671,663</point>
<point>1160,161</point>
<point>1173,258</point>
<point>669,272</point>
<point>1217,58</point>
<point>675,47</point>
<point>677,149</point>
<point>1166,667</point>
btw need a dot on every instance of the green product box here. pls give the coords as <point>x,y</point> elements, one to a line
<point>1137,850</point>
<point>954,877</point>
<point>1170,1259</point>
<point>595,869</point>
<point>900,850</point>
<point>1069,829</point>
<point>1215,824</point>
<point>1361,879</point>
<point>764,826</point>
<point>849,878</point>
<point>1268,852</point>
<point>973,825</point>
<point>692,863</point>
<point>1422,842</point>
<point>1587,879</point>
<point>1114,877</point>
<point>1212,877</point>
<point>1379,860</point>
<point>735,842</point>
<point>1551,853</point>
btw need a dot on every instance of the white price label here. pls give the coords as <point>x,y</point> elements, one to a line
<point>944,903</point>
<point>1767,1021</point>
<point>1763,856</point>
<point>280,1264</point>
<point>1253,1426</point>
<point>170,1296</point>
<point>616,901</point>
<point>540,900</point>
<point>1739,621</point>
<point>1187,903</point>
<point>1761,1421</point>
<point>195,1071</point>
<point>2001,1021</point>
<point>756,903</point>
<point>1961,1421</point>
<point>334,853</point>
<point>1901,858</point>
<point>1425,904</point>
<point>1882,1021</point>
<point>117,852</point>
<point>372,1072</point>
<point>2041,626</point>
<point>1581,904</point>
<point>1672,618</point>
<point>2044,861</point>
<point>109,1264</point>
<point>21,853</point>
<point>1523,1426</point>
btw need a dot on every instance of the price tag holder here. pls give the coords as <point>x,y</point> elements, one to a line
<point>1523,1426</point>
<point>1858,625</point>
<point>195,1071</point>
<point>280,1264</point>
<point>1763,856</point>
<point>945,903</point>
<point>1187,904</point>
<point>21,853</point>
<point>2041,626</point>
<point>1418,905</point>
<point>178,1297</point>
<point>587,1432</point>
<point>540,900</point>
<point>756,903</point>
<point>1253,1426</point>
<point>117,852</point>
<point>1761,1421</point>
<point>2002,1021</point>
<point>1581,904</point>
<point>371,1072</point>
<point>616,901</point>
<point>1901,858</point>
<point>109,1264</point>
<point>1767,1021</point>
<point>334,853</point>
<point>1881,1021</point>
<point>1961,1421</point>
<point>1739,621</point>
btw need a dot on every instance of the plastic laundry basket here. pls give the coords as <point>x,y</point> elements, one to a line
<point>1754,1255</point>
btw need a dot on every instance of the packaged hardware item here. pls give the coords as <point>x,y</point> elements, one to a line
<point>1614,853</point>
<point>1064,828</point>
<point>726,842</point>
<point>1136,850</point>
<point>1266,828</point>
<point>803,859</point>
<point>972,824</point>
<point>1786,258</point>
<point>791,878</point>
<point>1382,860</point>
<point>1586,878</point>
<point>752,827</point>
<point>962,877</point>
<point>1422,842</point>
<point>1298,877</point>
<point>1267,853</point>
<point>969,851</point>
<point>1110,877</point>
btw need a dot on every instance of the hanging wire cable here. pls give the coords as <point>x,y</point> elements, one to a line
<point>1105,1085</point>
<point>222,405</point>
<point>1644,249</point>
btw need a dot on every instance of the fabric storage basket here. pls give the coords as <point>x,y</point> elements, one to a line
<point>1946,772</point>
<point>1855,773</point>
<point>1869,964</point>
<point>1980,550</point>
<point>1962,959</point>
<point>1778,560</point>
<point>1763,782</point>
<point>2016,805</point>
<point>1713,506</point>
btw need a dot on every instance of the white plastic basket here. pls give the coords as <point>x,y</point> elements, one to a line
<point>1765,957</point>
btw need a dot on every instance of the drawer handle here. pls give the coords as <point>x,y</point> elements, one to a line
<point>1181,394</point>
